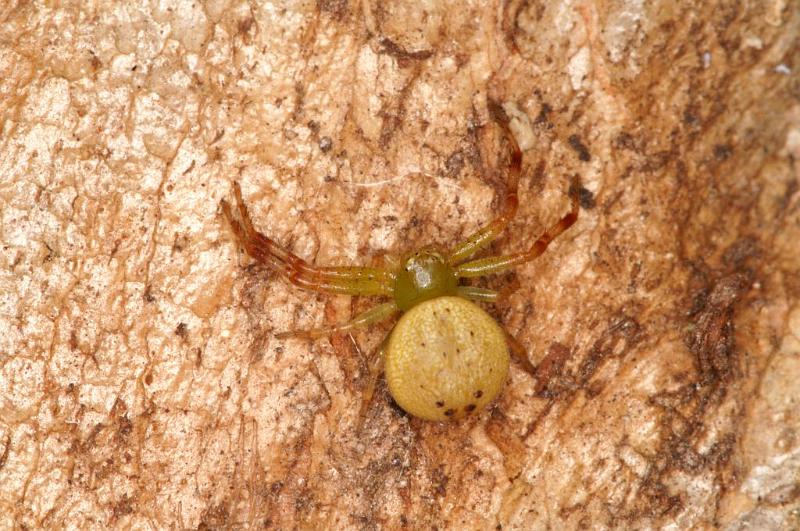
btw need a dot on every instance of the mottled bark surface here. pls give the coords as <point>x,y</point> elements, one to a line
<point>141,383</point>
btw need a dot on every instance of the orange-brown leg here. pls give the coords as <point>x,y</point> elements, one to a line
<point>498,264</point>
<point>484,236</point>
<point>520,354</point>
<point>345,280</point>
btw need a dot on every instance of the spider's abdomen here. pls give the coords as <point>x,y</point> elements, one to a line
<point>446,357</point>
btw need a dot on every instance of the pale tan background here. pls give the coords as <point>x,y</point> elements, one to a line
<point>141,384</point>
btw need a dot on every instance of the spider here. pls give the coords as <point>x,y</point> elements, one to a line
<point>445,357</point>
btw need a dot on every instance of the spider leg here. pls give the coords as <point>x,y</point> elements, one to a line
<point>520,354</point>
<point>498,264</point>
<point>371,316</point>
<point>514,346</point>
<point>375,365</point>
<point>477,294</point>
<point>343,280</point>
<point>487,234</point>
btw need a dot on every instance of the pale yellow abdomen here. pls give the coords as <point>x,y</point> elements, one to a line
<point>445,358</point>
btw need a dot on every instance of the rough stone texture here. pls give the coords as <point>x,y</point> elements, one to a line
<point>141,384</point>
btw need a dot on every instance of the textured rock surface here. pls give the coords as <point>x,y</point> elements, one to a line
<point>140,380</point>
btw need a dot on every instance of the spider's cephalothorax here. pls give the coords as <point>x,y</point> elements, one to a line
<point>445,357</point>
<point>425,275</point>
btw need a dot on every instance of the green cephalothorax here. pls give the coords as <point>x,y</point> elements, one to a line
<point>424,276</point>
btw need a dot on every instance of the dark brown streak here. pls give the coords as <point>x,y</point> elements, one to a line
<point>401,54</point>
<point>6,451</point>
